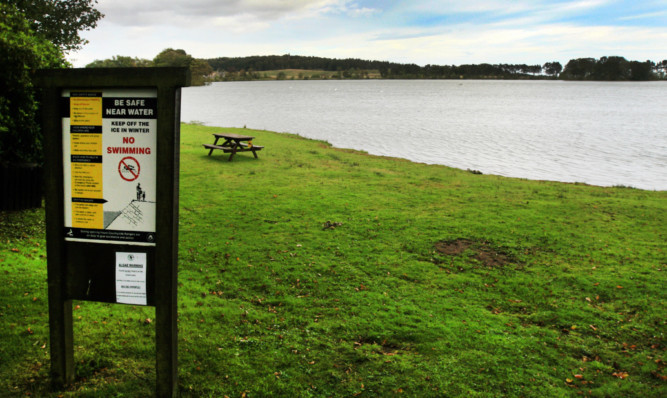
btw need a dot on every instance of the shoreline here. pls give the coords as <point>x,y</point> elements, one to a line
<point>472,171</point>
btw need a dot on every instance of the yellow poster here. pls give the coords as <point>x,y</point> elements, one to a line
<point>86,111</point>
<point>87,180</point>
<point>87,215</point>
<point>86,169</point>
<point>86,144</point>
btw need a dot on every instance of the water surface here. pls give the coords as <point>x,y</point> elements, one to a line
<point>601,133</point>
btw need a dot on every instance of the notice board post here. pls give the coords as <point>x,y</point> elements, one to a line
<point>111,140</point>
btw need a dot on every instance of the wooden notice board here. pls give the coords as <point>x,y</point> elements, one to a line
<point>111,139</point>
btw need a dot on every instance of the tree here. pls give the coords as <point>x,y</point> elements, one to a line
<point>641,71</point>
<point>199,69</point>
<point>611,68</point>
<point>60,21</point>
<point>22,50</point>
<point>660,69</point>
<point>579,69</point>
<point>171,57</point>
<point>552,68</point>
<point>119,61</point>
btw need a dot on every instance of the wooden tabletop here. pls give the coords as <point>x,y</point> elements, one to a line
<point>234,136</point>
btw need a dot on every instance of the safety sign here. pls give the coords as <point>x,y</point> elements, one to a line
<point>109,165</point>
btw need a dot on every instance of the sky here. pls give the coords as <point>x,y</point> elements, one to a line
<point>445,32</point>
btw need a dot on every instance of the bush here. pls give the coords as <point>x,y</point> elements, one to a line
<point>22,51</point>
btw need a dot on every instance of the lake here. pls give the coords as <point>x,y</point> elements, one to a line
<point>600,133</point>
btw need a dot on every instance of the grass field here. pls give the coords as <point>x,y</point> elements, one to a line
<point>321,272</point>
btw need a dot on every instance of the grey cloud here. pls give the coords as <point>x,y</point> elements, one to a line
<point>184,12</point>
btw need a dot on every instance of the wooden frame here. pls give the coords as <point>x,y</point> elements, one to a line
<point>67,259</point>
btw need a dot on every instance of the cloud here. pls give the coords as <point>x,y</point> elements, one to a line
<point>497,43</point>
<point>257,13</point>
<point>648,15</point>
<point>414,31</point>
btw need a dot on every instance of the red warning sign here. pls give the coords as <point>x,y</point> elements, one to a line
<point>129,168</point>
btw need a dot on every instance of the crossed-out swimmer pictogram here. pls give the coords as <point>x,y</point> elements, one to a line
<point>129,168</point>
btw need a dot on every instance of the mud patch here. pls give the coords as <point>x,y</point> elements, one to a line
<point>492,258</point>
<point>483,251</point>
<point>453,247</point>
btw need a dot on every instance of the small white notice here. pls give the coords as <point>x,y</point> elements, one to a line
<point>131,278</point>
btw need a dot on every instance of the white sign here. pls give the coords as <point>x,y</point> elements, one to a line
<point>131,278</point>
<point>110,165</point>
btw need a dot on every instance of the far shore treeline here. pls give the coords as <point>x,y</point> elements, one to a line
<point>295,67</point>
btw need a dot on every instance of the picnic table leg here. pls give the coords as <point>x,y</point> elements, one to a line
<point>255,153</point>
<point>214,143</point>
<point>234,146</point>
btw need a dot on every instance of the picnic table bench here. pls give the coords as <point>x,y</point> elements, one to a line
<point>232,144</point>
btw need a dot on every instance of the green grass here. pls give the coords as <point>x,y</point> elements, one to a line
<point>317,272</point>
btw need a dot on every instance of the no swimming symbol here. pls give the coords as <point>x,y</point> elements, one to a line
<point>129,168</point>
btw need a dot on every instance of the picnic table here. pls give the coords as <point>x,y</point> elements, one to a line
<point>232,144</point>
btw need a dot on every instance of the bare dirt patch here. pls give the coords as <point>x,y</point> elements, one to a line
<point>453,247</point>
<point>483,251</point>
